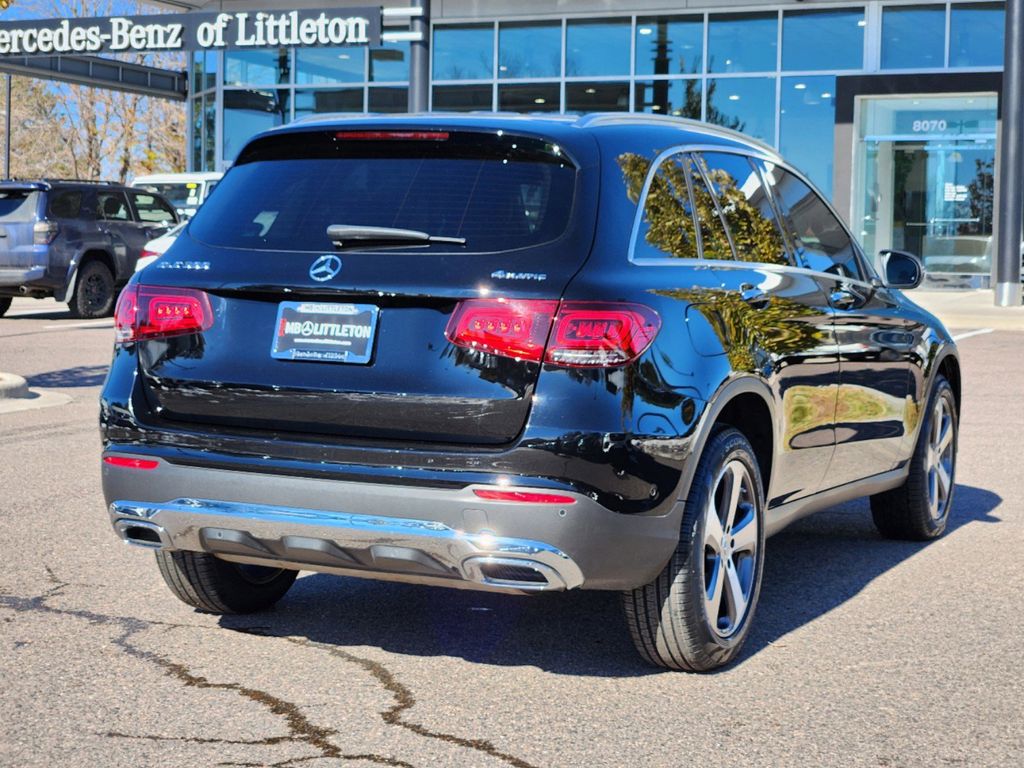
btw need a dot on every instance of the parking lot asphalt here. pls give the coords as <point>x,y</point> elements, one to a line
<point>865,652</point>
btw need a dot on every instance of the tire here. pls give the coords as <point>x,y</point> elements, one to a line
<point>217,586</point>
<point>5,304</point>
<point>94,291</point>
<point>919,509</point>
<point>674,621</point>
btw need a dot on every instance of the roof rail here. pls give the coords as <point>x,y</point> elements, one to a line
<point>83,181</point>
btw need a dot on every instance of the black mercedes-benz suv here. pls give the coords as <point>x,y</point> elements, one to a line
<point>520,354</point>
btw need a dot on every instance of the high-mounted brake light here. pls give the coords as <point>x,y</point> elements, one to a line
<point>393,135</point>
<point>525,497</point>
<point>151,312</point>
<point>586,334</point>
<point>130,463</point>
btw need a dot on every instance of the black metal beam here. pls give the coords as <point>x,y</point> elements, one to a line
<point>101,73</point>
<point>1010,193</point>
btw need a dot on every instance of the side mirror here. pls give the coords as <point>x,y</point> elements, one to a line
<point>901,269</point>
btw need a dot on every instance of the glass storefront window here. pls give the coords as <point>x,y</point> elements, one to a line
<point>264,67</point>
<point>823,39</point>
<point>390,63</point>
<point>325,102</point>
<point>669,46</point>
<point>326,66</point>
<point>388,100</point>
<point>745,104</point>
<point>913,37</point>
<point>976,35</point>
<point>197,134</point>
<point>461,98</point>
<point>680,98</point>
<point>464,52</point>
<point>595,48</point>
<point>530,50</point>
<point>209,132</point>
<point>807,127</point>
<point>198,68</point>
<point>532,97</point>
<point>597,97</point>
<point>743,42</point>
<point>246,113</point>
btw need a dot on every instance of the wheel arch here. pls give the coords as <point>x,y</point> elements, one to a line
<point>89,254</point>
<point>949,366</point>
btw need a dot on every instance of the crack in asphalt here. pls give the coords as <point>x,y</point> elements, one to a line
<point>300,728</point>
<point>404,699</point>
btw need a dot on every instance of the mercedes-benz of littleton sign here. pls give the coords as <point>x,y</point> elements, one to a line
<point>193,31</point>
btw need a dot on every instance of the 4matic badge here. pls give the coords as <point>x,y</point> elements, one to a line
<point>503,275</point>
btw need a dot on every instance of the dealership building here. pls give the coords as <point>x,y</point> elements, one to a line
<point>891,107</point>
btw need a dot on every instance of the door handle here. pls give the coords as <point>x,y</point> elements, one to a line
<point>843,299</point>
<point>754,296</point>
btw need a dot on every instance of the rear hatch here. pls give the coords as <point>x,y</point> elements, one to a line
<point>20,208</point>
<point>315,334</point>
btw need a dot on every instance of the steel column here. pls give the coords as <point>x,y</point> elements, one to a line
<point>419,59</point>
<point>1011,163</point>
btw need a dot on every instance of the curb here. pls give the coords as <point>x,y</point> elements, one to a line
<point>12,386</point>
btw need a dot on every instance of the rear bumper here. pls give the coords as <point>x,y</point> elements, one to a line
<point>13,277</point>
<point>447,537</point>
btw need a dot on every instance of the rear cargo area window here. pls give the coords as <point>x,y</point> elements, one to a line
<point>18,205</point>
<point>500,193</point>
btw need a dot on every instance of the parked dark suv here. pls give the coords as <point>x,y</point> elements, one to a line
<point>520,354</point>
<point>77,241</point>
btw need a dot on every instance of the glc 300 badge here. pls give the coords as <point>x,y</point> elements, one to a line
<point>325,267</point>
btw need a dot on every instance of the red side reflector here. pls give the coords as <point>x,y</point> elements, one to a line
<point>526,497</point>
<point>129,463</point>
<point>151,312</point>
<point>393,135</point>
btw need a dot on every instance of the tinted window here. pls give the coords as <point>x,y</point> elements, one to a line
<point>463,53</point>
<point>820,239</point>
<point>390,62</point>
<point>462,98</point>
<point>823,39</point>
<point>152,209</point>
<point>713,238</point>
<point>913,37</point>
<point>265,67</point>
<point>746,208</point>
<point>529,97</point>
<point>18,205</point>
<point>64,204</point>
<point>976,35</point>
<point>743,42</point>
<point>179,193</point>
<point>807,126</point>
<point>667,228</point>
<point>334,100</point>
<point>499,193</point>
<point>597,48</point>
<point>672,46</point>
<point>597,97</point>
<point>744,104</point>
<point>328,66</point>
<point>112,206</point>
<point>530,50</point>
<point>668,97</point>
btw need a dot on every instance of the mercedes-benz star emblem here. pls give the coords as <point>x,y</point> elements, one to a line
<point>325,267</point>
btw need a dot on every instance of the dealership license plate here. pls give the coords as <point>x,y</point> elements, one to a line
<point>330,333</point>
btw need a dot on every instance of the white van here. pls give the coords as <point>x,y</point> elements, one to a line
<point>185,191</point>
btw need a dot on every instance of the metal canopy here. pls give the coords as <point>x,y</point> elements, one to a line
<point>101,73</point>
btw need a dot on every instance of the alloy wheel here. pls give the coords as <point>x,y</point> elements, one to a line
<point>940,458</point>
<point>730,548</point>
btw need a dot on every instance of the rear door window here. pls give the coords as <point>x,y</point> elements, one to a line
<point>746,207</point>
<point>152,209</point>
<point>500,193</point>
<point>820,239</point>
<point>64,204</point>
<point>112,206</point>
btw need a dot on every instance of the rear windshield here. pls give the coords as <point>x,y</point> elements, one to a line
<point>18,205</point>
<point>498,192</point>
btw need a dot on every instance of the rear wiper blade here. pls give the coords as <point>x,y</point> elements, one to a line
<point>349,236</point>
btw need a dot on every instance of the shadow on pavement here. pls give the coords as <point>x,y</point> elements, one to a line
<point>79,376</point>
<point>811,568</point>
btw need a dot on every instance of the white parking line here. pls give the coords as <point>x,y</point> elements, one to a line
<point>968,334</point>
<point>91,324</point>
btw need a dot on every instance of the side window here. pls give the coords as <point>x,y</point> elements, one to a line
<point>713,238</point>
<point>112,206</point>
<point>152,209</point>
<point>64,204</point>
<point>667,228</point>
<point>820,240</point>
<point>746,207</point>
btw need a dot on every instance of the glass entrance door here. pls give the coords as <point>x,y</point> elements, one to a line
<point>925,166</point>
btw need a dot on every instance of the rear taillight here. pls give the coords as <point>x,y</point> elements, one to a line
<point>151,312</point>
<point>585,334</point>
<point>44,232</point>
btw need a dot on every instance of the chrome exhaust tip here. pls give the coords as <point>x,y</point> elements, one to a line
<point>143,534</point>
<point>512,573</point>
